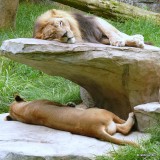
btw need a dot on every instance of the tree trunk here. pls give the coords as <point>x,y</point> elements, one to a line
<point>111,9</point>
<point>8,9</point>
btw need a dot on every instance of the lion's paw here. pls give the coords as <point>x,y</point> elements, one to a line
<point>117,42</point>
<point>140,44</point>
<point>138,37</point>
<point>139,40</point>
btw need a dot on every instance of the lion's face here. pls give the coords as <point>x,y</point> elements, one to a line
<point>58,29</point>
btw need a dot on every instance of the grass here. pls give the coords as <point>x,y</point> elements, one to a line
<point>26,16</point>
<point>147,28</point>
<point>33,84</point>
<point>19,78</point>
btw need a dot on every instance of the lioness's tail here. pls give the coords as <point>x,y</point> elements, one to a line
<point>107,137</point>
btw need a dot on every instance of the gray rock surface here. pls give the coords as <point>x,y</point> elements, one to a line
<point>19,141</point>
<point>117,78</point>
<point>147,115</point>
<point>86,98</point>
<point>153,5</point>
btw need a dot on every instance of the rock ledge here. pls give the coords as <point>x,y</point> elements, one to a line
<point>147,115</point>
<point>29,142</point>
<point>117,78</point>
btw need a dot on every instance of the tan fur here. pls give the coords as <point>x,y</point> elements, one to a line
<point>92,122</point>
<point>53,24</point>
<point>49,19</point>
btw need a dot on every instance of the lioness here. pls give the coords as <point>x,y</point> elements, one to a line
<point>92,122</point>
<point>74,27</point>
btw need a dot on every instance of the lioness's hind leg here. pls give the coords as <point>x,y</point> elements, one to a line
<point>126,127</point>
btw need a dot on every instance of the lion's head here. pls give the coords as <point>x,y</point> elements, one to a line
<point>57,29</point>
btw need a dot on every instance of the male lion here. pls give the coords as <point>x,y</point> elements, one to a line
<point>74,27</point>
<point>92,122</point>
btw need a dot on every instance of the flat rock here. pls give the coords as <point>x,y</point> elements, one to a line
<point>117,78</point>
<point>147,115</point>
<point>22,141</point>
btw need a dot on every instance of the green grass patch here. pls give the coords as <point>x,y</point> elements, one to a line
<point>33,84</point>
<point>24,80</point>
<point>27,13</point>
<point>147,28</point>
<point>26,16</point>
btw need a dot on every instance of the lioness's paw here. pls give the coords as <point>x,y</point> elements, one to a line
<point>131,114</point>
<point>117,42</point>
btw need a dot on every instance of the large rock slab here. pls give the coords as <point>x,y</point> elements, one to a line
<point>147,115</point>
<point>22,141</point>
<point>152,5</point>
<point>116,78</point>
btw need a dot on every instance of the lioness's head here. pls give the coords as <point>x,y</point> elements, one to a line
<point>15,105</point>
<point>56,29</point>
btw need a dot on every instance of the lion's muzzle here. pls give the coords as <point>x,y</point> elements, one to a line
<point>68,38</point>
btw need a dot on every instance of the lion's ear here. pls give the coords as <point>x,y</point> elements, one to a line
<point>38,36</point>
<point>54,12</point>
<point>37,32</point>
<point>57,13</point>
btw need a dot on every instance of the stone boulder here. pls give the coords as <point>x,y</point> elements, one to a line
<point>19,141</point>
<point>152,5</point>
<point>147,115</point>
<point>117,78</point>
